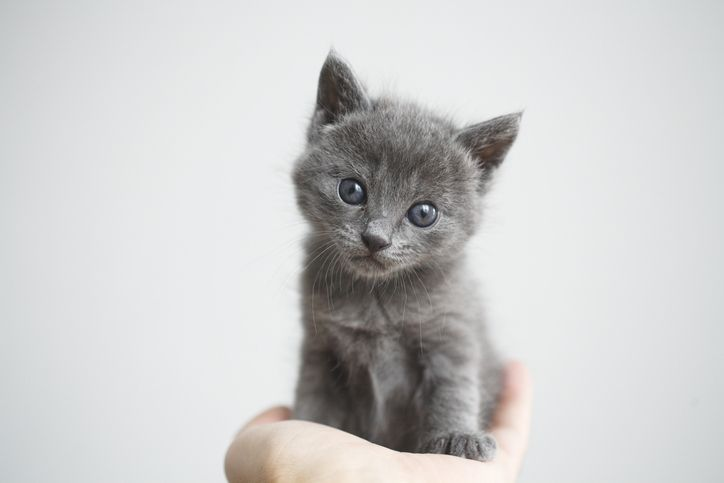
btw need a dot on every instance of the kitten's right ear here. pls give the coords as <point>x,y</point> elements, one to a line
<point>489,141</point>
<point>339,91</point>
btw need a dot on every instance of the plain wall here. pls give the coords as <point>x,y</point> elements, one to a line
<point>150,244</point>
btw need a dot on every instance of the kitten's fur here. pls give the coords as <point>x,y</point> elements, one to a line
<point>394,348</point>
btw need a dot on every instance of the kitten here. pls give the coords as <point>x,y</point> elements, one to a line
<point>394,347</point>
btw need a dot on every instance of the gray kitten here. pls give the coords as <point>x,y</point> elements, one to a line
<point>395,349</point>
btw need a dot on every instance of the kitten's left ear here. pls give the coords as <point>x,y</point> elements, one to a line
<point>489,141</point>
<point>339,91</point>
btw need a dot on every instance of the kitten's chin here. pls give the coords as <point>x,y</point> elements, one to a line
<point>371,267</point>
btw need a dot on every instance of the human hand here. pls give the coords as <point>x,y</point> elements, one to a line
<point>274,448</point>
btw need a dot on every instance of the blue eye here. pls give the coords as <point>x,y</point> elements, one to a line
<point>352,192</point>
<point>422,214</point>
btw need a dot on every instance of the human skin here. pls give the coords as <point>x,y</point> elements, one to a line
<point>273,448</point>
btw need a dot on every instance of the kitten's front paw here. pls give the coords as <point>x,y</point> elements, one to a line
<point>475,446</point>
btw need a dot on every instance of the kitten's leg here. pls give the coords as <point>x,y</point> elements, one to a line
<point>319,394</point>
<point>450,404</point>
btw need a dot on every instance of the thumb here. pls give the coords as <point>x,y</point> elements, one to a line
<point>511,423</point>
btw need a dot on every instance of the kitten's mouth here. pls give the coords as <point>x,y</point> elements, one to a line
<point>369,259</point>
<point>372,266</point>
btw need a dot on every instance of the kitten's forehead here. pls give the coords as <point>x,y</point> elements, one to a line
<point>402,149</point>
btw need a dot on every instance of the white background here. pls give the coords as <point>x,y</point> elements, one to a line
<point>149,242</point>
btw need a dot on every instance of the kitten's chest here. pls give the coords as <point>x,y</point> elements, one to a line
<point>375,338</point>
<point>364,328</point>
<point>372,342</point>
<point>381,370</point>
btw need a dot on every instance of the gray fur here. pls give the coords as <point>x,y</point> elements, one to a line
<point>395,348</point>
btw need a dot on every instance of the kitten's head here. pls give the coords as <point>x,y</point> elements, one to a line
<point>388,185</point>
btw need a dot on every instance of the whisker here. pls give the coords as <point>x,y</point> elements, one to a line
<point>314,284</point>
<point>324,247</point>
<point>330,303</point>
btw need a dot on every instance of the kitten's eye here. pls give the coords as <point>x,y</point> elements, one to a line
<point>422,214</point>
<point>352,192</point>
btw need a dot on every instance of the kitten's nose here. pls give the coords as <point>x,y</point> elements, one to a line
<point>374,242</point>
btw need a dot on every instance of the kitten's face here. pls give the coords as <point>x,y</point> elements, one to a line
<point>387,186</point>
<point>395,176</point>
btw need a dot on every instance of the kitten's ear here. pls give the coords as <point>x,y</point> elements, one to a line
<point>339,91</point>
<point>489,141</point>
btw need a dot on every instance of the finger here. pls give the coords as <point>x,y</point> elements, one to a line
<point>511,423</point>
<point>272,415</point>
<point>238,463</point>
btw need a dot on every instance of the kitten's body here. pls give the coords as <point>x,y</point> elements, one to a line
<point>367,346</point>
<point>395,348</point>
